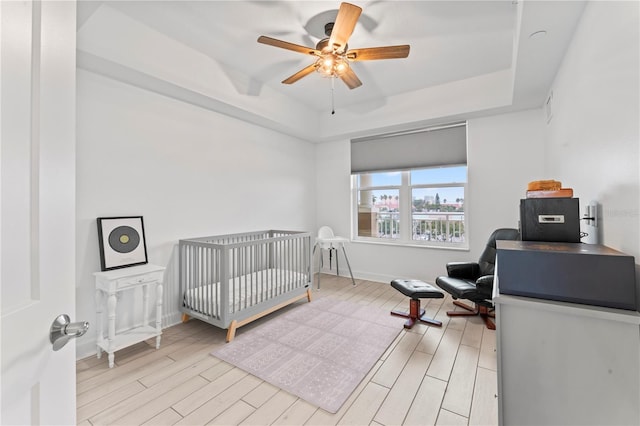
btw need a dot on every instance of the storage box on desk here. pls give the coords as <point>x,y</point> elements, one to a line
<point>590,274</point>
<point>550,219</point>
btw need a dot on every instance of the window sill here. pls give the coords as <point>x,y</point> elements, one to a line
<point>410,245</point>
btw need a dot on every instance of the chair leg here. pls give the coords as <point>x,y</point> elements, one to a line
<point>331,250</point>
<point>487,321</point>
<point>348,265</point>
<point>483,311</point>
<point>415,314</point>
<point>473,310</point>
<point>319,267</point>
<point>321,263</point>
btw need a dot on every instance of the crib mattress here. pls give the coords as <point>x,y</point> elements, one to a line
<point>244,291</point>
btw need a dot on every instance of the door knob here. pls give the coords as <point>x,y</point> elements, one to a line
<point>62,330</point>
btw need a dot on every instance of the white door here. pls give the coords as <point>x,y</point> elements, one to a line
<point>37,208</point>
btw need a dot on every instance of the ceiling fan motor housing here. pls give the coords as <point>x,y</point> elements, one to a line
<point>328,27</point>
<point>323,46</point>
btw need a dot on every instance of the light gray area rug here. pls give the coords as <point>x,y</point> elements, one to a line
<point>319,351</point>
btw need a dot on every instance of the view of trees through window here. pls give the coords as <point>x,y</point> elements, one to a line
<point>436,205</point>
<point>430,200</point>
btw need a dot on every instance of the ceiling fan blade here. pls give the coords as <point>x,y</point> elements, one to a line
<point>350,79</point>
<point>289,46</point>
<point>302,73</point>
<point>374,53</point>
<point>346,21</point>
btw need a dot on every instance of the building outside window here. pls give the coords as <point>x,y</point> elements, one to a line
<point>416,205</point>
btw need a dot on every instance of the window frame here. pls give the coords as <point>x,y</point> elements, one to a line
<point>405,209</point>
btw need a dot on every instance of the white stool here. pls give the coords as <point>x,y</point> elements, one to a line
<point>326,240</point>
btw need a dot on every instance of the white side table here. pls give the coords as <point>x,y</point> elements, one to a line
<point>108,284</point>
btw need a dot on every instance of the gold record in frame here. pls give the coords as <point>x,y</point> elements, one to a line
<point>122,243</point>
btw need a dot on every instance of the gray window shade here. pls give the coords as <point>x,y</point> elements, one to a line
<point>410,150</point>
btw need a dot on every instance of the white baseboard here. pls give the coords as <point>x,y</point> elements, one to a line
<point>359,275</point>
<point>85,349</point>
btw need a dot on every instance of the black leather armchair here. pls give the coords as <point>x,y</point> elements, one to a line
<point>474,281</point>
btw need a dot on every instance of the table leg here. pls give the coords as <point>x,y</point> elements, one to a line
<point>111,315</point>
<point>100,325</point>
<point>159,290</point>
<point>145,305</point>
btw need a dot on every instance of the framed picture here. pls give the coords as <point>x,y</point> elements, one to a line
<point>121,241</point>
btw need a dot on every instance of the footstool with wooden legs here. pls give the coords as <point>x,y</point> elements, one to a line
<point>416,290</point>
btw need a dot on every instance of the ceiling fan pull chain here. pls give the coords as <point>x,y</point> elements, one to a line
<point>333,108</point>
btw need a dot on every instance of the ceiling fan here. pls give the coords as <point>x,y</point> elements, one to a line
<point>332,53</point>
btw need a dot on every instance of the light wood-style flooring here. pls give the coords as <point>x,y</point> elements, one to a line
<point>429,375</point>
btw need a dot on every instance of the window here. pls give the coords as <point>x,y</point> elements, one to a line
<point>429,199</point>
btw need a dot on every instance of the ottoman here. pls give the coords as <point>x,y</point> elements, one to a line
<point>416,290</point>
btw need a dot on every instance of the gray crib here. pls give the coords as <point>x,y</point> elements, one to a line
<point>231,280</point>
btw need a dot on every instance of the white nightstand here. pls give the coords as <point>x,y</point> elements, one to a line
<point>108,284</point>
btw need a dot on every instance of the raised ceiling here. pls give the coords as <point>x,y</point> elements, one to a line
<point>467,58</point>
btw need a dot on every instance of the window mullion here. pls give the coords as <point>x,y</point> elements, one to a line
<point>354,207</point>
<point>406,224</point>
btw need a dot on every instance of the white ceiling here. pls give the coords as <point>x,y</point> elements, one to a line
<point>467,58</point>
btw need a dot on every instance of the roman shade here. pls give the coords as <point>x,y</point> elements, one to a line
<point>440,146</point>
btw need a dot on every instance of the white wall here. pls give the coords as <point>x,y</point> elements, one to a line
<point>188,171</point>
<point>594,133</point>
<point>500,163</point>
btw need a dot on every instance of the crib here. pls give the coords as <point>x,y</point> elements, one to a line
<point>230,280</point>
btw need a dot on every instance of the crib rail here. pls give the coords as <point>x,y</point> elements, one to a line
<point>246,270</point>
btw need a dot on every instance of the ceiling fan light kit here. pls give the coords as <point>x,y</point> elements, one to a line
<point>330,63</point>
<point>332,54</point>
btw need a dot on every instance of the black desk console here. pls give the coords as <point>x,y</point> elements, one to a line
<point>590,274</point>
